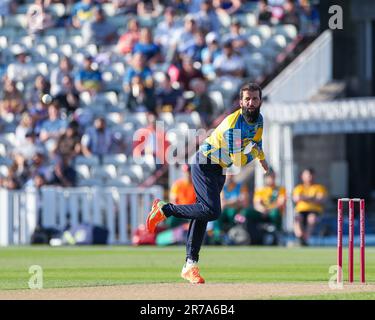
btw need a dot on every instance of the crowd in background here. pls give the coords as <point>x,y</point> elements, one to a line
<point>51,128</point>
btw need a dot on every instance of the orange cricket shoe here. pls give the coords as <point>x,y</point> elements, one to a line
<point>155,216</point>
<point>191,274</point>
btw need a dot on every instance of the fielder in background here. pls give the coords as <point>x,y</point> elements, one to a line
<point>269,202</point>
<point>234,143</point>
<point>309,198</point>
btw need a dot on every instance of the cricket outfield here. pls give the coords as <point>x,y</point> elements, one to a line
<point>123,272</point>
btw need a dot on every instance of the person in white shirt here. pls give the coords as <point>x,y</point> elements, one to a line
<point>22,70</point>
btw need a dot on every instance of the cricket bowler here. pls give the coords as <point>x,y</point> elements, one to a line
<point>234,143</point>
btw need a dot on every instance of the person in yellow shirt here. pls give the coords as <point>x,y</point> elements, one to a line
<point>269,201</point>
<point>309,198</point>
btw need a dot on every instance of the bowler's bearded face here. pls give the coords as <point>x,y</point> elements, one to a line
<point>250,104</point>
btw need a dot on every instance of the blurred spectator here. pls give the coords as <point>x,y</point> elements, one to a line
<point>39,111</point>
<point>290,15</point>
<point>64,174</point>
<point>151,140</point>
<point>39,18</point>
<point>139,99</point>
<point>168,30</point>
<point>24,126</point>
<point>29,146</point>
<point>169,99</point>
<point>11,101</point>
<point>229,65</point>
<point>269,202</point>
<point>89,78</point>
<point>138,68</point>
<point>149,8</point>
<point>237,37</point>
<point>7,7</point>
<point>82,12</point>
<point>99,30</point>
<point>97,139</point>
<point>125,6</point>
<point>264,13</point>
<point>52,128</point>
<point>193,6</point>
<point>188,72</point>
<point>65,68</point>
<point>309,198</point>
<point>229,8</point>
<point>38,166</point>
<point>181,193</point>
<point>11,183</point>
<point>147,47</point>
<point>69,143</point>
<point>41,87</point>
<point>3,67</point>
<point>195,50</point>
<point>185,38</point>
<point>309,19</point>
<point>128,40</point>
<point>201,102</point>
<point>68,96</point>
<point>209,54</point>
<point>207,17</point>
<point>18,171</point>
<point>22,70</point>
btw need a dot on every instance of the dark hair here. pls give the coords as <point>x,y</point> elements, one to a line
<point>251,87</point>
<point>309,170</point>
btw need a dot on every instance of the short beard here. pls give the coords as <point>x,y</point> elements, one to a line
<point>250,116</point>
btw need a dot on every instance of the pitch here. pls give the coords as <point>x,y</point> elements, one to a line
<point>121,272</point>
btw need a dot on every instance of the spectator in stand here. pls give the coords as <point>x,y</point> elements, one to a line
<point>82,12</point>
<point>39,18</point>
<point>185,38</point>
<point>19,169</point>
<point>237,37</point>
<point>29,146</point>
<point>229,65</point>
<point>68,96</point>
<point>269,202</point>
<point>147,47</point>
<point>207,17</point>
<point>188,72</point>
<point>11,183</point>
<point>128,40</point>
<point>25,125</point>
<point>64,174</point>
<point>89,78</point>
<point>264,13</point>
<point>139,98</point>
<point>39,112</point>
<point>149,9</point>
<point>38,166</point>
<point>65,68</point>
<point>168,30</point>
<point>309,18</point>
<point>52,128</point>
<point>11,101</point>
<point>125,6</point>
<point>309,198</point>
<point>22,70</point>
<point>195,50</point>
<point>97,140</point>
<point>149,141</point>
<point>99,30</point>
<point>69,143</point>
<point>209,54</point>
<point>290,15</point>
<point>41,87</point>
<point>138,68</point>
<point>7,8</point>
<point>201,102</point>
<point>227,8</point>
<point>169,99</point>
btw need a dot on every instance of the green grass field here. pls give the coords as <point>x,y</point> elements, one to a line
<point>114,265</point>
